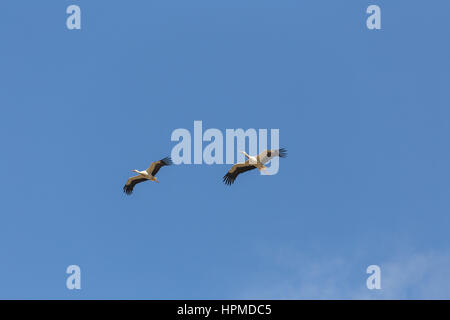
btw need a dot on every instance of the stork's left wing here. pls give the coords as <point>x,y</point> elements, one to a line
<point>268,155</point>
<point>236,170</point>
<point>129,186</point>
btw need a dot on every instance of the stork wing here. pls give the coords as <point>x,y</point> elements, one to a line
<point>155,166</point>
<point>236,170</point>
<point>128,187</point>
<point>267,155</point>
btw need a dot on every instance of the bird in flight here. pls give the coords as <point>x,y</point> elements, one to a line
<point>252,163</point>
<point>145,175</point>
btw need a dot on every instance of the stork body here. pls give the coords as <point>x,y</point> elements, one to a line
<point>146,175</point>
<point>256,161</point>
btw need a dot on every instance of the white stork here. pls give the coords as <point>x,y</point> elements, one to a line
<point>252,163</point>
<point>145,175</point>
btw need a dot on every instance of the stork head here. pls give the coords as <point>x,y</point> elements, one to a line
<point>135,171</point>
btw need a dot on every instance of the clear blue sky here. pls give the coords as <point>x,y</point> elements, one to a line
<point>364,115</point>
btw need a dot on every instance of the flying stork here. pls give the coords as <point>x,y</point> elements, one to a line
<point>252,163</point>
<point>145,175</point>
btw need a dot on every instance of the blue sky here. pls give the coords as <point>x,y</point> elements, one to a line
<point>364,115</point>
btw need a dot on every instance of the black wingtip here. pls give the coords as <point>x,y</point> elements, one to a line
<point>228,180</point>
<point>127,190</point>
<point>167,161</point>
<point>282,153</point>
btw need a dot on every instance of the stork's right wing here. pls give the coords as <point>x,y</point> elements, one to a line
<point>268,155</point>
<point>155,166</point>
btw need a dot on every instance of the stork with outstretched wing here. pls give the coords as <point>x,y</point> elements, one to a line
<point>257,162</point>
<point>145,175</point>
